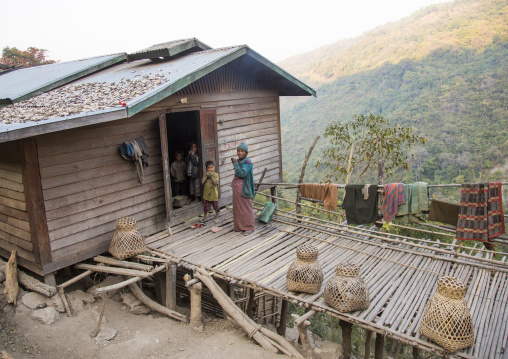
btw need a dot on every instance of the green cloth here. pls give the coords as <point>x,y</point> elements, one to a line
<point>444,212</point>
<point>417,201</point>
<point>210,190</point>
<point>359,210</point>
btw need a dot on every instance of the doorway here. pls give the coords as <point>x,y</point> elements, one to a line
<point>178,131</point>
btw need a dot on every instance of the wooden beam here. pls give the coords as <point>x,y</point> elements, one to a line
<point>171,287</point>
<point>166,171</point>
<point>35,201</point>
<point>346,339</point>
<point>281,329</point>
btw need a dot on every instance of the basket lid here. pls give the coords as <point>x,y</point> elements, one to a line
<point>307,252</point>
<point>347,269</point>
<point>125,223</point>
<point>451,287</point>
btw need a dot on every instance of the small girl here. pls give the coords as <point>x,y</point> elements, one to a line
<point>210,183</point>
<point>192,161</point>
<point>178,169</point>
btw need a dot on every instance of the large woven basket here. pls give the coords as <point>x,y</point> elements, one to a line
<point>346,291</point>
<point>447,320</point>
<point>305,274</point>
<point>127,241</point>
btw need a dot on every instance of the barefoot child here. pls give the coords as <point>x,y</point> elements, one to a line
<point>210,183</point>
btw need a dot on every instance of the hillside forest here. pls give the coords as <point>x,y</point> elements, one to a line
<point>441,72</point>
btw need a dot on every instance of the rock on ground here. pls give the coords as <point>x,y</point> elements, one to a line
<point>106,334</point>
<point>134,304</point>
<point>34,300</point>
<point>47,315</point>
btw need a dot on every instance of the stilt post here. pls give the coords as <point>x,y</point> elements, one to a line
<point>281,329</point>
<point>346,339</point>
<point>368,344</point>
<point>379,346</point>
<point>196,316</point>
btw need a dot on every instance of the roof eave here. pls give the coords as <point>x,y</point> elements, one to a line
<point>29,129</point>
<point>280,71</point>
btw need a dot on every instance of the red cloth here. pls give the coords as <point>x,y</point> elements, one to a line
<point>243,215</point>
<point>394,196</point>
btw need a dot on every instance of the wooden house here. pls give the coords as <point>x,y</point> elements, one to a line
<point>63,182</point>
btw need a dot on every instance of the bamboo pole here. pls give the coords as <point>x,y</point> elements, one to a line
<point>129,281</point>
<point>304,336</point>
<point>123,264</point>
<point>156,306</point>
<point>113,270</point>
<point>99,321</point>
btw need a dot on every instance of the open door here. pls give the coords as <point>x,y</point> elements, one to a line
<point>209,145</point>
<point>165,167</point>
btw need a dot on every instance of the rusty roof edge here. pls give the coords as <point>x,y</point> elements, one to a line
<point>144,101</point>
<point>74,76</point>
<point>171,52</point>
<point>18,131</point>
<point>280,71</point>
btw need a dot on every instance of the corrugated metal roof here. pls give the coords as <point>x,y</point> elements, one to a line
<point>22,84</point>
<point>174,75</point>
<point>169,49</point>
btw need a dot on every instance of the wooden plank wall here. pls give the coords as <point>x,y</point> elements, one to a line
<point>248,116</point>
<point>14,226</point>
<point>87,185</point>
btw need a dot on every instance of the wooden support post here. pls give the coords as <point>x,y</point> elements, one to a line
<point>11,279</point>
<point>49,279</point>
<point>171,287</point>
<point>281,329</point>
<point>346,339</point>
<point>250,303</point>
<point>224,285</point>
<point>368,344</point>
<point>302,174</point>
<point>273,192</point>
<point>379,346</point>
<point>196,315</point>
<point>160,288</point>
<point>304,336</point>
<point>416,353</point>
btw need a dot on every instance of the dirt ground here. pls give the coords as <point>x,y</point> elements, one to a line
<point>138,336</point>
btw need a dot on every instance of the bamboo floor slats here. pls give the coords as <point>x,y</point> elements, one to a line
<point>401,279</point>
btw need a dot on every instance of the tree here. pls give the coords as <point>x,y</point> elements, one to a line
<point>364,141</point>
<point>32,56</point>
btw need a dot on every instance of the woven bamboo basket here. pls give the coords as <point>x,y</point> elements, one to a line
<point>446,319</point>
<point>305,274</point>
<point>127,241</point>
<point>346,291</point>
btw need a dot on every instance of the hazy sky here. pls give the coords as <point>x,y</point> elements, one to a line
<point>277,29</point>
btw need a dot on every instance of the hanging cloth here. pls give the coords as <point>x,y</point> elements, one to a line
<point>444,212</point>
<point>327,193</point>
<point>417,202</point>
<point>481,212</point>
<point>358,209</point>
<point>394,196</point>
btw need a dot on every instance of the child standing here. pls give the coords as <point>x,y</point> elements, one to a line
<point>210,183</point>
<point>192,161</point>
<point>178,169</point>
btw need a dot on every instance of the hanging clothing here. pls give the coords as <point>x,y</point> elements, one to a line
<point>394,196</point>
<point>417,202</point>
<point>327,193</point>
<point>243,214</point>
<point>244,170</point>
<point>358,209</point>
<point>481,212</point>
<point>144,149</point>
<point>444,212</point>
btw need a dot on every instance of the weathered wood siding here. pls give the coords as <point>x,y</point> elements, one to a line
<point>14,225</point>
<point>87,186</point>
<point>247,116</point>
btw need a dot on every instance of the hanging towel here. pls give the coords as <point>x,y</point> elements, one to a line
<point>365,191</point>
<point>323,192</point>
<point>144,149</point>
<point>394,196</point>
<point>358,209</point>
<point>417,202</point>
<point>481,212</point>
<point>444,212</point>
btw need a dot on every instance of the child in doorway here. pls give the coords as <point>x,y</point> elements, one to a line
<point>192,161</point>
<point>178,169</point>
<point>210,183</point>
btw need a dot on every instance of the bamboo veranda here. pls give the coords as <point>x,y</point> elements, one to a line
<point>400,272</point>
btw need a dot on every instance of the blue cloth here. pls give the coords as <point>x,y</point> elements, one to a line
<point>244,170</point>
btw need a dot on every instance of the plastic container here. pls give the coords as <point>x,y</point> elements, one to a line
<point>267,212</point>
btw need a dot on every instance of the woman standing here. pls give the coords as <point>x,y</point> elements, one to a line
<point>243,191</point>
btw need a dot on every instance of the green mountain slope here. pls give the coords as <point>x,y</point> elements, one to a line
<point>442,71</point>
